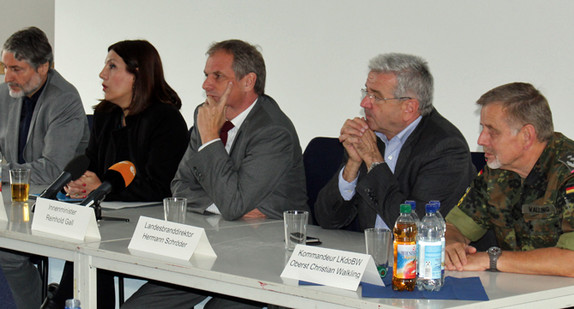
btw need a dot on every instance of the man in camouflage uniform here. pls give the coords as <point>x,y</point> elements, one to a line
<point>525,193</point>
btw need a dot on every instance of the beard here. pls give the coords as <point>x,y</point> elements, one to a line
<point>30,87</point>
<point>494,164</point>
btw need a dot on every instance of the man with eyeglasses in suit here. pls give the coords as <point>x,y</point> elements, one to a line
<point>402,149</point>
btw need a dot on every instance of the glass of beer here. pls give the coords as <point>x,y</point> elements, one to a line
<point>20,184</point>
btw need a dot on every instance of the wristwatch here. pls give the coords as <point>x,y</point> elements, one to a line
<point>494,253</point>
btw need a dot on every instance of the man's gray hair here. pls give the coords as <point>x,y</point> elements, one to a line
<point>413,77</point>
<point>30,45</point>
<point>523,105</point>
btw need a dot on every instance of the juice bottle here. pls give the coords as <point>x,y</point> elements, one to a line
<point>404,249</point>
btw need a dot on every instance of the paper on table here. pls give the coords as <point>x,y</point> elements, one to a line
<point>105,205</point>
<point>122,205</point>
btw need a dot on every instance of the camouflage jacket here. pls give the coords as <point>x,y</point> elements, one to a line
<point>526,214</point>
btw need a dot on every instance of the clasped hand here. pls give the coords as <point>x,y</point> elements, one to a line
<point>361,145</point>
<point>82,186</point>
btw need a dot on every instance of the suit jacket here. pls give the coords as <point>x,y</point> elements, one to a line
<point>153,140</point>
<point>434,164</point>
<point>58,130</point>
<point>263,170</point>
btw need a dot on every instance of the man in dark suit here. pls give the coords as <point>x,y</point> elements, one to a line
<point>403,149</point>
<point>255,170</point>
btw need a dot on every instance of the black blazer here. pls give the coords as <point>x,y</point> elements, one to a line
<point>153,140</point>
<point>434,164</point>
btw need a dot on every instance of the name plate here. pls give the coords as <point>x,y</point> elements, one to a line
<point>335,268</point>
<point>171,239</point>
<point>3,215</point>
<point>71,221</point>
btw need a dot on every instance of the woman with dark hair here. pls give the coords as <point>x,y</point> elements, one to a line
<point>139,121</point>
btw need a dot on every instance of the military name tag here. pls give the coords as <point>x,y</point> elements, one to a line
<point>538,209</point>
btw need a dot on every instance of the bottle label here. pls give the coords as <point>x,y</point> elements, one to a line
<point>406,261</point>
<point>430,256</point>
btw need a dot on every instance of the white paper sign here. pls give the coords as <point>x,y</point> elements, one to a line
<point>336,268</point>
<point>72,221</point>
<point>175,240</point>
<point>3,215</point>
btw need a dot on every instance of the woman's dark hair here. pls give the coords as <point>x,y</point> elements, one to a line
<point>143,61</point>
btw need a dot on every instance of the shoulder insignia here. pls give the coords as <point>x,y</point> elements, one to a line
<point>464,195</point>
<point>570,190</point>
<point>568,160</point>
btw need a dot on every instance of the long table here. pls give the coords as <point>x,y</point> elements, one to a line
<point>250,259</point>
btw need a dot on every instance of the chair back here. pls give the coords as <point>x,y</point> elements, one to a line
<point>322,158</point>
<point>90,121</point>
<point>478,160</point>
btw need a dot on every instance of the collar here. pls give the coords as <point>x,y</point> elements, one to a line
<point>404,134</point>
<point>545,163</point>
<point>239,119</point>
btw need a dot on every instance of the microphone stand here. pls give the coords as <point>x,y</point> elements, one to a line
<point>99,217</point>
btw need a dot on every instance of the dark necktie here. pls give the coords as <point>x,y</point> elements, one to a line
<point>223,133</point>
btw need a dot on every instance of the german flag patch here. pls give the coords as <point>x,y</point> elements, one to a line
<point>570,190</point>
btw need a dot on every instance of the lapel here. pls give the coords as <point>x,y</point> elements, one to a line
<point>34,117</point>
<point>408,147</point>
<point>14,128</point>
<point>245,127</point>
<point>38,106</point>
<point>381,146</point>
<point>405,154</point>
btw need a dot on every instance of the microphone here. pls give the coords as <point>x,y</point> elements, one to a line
<point>74,170</point>
<point>116,178</point>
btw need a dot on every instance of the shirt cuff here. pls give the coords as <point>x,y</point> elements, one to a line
<point>213,209</point>
<point>208,143</point>
<point>347,189</point>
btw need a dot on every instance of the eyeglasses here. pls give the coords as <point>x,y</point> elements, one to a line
<point>365,93</point>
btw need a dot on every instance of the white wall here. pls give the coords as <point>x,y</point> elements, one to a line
<point>25,13</point>
<point>15,15</point>
<point>317,51</point>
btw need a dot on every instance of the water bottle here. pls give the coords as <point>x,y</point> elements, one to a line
<point>430,251</point>
<point>404,249</point>
<point>438,214</point>
<point>443,240</point>
<point>72,304</point>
